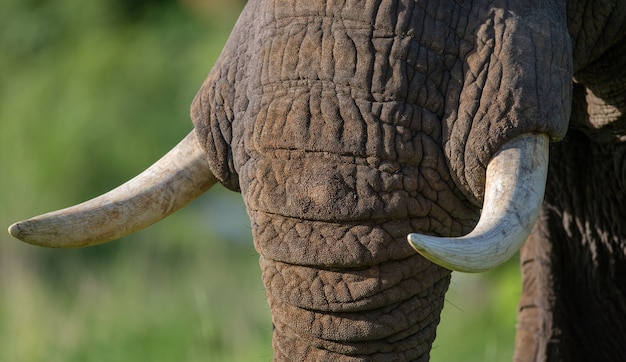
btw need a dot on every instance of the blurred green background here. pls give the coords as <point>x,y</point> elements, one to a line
<point>91,93</point>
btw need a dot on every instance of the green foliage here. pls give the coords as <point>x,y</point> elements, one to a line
<point>479,317</point>
<point>89,97</point>
<point>91,92</point>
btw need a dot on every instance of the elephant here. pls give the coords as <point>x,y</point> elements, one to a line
<point>380,144</point>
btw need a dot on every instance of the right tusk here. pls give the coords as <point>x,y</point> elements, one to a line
<point>169,184</point>
<point>515,185</point>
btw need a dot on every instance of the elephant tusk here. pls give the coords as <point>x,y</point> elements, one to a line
<point>514,190</point>
<point>169,184</point>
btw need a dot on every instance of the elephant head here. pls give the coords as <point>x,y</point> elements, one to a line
<point>348,126</point>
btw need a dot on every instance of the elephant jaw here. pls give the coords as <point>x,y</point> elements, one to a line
<point>514,190</point>
<point>169,184</point>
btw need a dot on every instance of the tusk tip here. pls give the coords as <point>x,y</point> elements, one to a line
<point>28,232</point>
<point>416,241</point>
<point>424,244</point>
<point>17,230</point>
<point>34,232</point>
<point>439,251</point>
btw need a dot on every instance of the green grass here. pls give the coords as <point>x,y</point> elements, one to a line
<point>154,298</point>
<point>88,98</point>
<point>479,316</point>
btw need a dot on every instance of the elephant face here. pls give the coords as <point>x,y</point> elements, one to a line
<point>347,126</point>
<point>394,83</point>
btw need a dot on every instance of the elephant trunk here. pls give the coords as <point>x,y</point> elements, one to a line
<point>325,311</point>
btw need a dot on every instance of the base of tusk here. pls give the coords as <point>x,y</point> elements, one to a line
<point>514,190</point>
<point>169,184</point>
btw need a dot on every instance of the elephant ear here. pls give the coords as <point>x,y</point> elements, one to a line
<point>600,96</point>
<point>222,98</point>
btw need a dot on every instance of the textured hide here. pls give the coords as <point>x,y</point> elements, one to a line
<point>348,125</point>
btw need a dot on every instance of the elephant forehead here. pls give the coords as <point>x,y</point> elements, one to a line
<point>327,74</point>
<point>319,117</point>
<point>390,48</point>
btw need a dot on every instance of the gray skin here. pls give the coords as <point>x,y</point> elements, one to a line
<point>347,125</point>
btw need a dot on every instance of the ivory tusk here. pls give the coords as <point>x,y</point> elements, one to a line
<point>514,190</point>
<point>169,184</point>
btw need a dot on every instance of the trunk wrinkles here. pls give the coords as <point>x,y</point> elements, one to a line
<point>387,311</point>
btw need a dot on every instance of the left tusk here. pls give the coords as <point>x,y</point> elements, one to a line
<point>169,184</point>
<point>515,185</point>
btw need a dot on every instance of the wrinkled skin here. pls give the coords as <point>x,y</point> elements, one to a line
<point>573,305</point>
<point>347,125</point>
